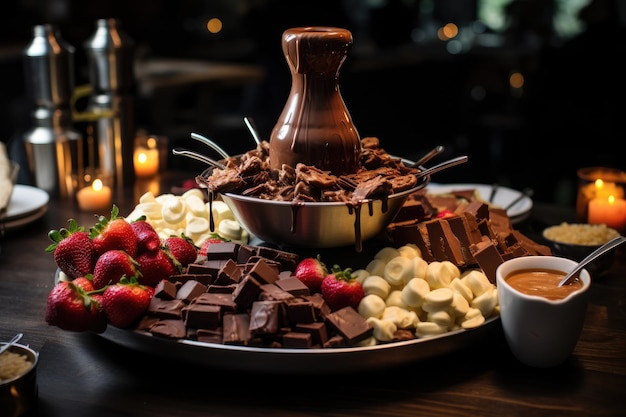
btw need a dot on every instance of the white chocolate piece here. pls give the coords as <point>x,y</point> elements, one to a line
<point>147,197</point>
<point>429,328</point>
<point>441,317</point>
<point>477,281</point>
<point>410,250</point>
<point>152,209</point>
<point>398,271</point>
<point>230,229</point>
<point>459,306</point>
<point>387,253</point>
<point>438,299</point>
<point>195,206</point>
<point>194,192</point>
<point>220,211</point>
<point>459,286</point>
<point>383,329</point>
<point>376,267</point>
<point>403,319</point>
<point>376,285</point>
<point>395,299</point>
<point>371,306</point>
<point>173,210</point>
<point>472,319</point>
<point>419,267</point>
<point>486,302</point>
<point>440,274</point>
<point>360,275</point>
<point>414,292</point>
<point>196,227</point>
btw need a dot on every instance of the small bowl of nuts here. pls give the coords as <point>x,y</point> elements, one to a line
<point>577,240</point>
<point>18,380</point>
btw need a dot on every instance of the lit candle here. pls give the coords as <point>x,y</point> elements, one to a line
<point>610,211</point>
<point>95,197</point>
<point>146,162</point>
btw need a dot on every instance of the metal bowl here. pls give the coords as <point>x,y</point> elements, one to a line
<point>316,224</point>
<point>18,395</point>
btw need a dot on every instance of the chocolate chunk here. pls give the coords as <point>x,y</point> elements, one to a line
<point>203,316</point>
<point>246,292</point>
<point>245,253</point>
<point>300,311</point>
<point>265,317</point>
<point>297,340</point>
<point>488,258</point>
<point>318,331</point>
<point>225,301</point>
<point>171,329</point>
<point>165,309</point>
<point>222,289</point>
<point>293,286</point>
<point>210,335</point>
<point>263,272</point>
<point>165,290</point>
<point>273,292</point>
<point>229,273</point>
<point>190,290</point>
<point>236,330</point>
<point>350,325</point>
<point>222,251</point>
<point>319,304</point>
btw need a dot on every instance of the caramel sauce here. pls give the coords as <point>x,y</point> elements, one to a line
<point>542,283</point>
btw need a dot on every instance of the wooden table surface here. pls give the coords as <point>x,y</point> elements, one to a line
<point>83,374</point>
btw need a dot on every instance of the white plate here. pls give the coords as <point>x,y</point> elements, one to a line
<point>20,221</point>
<point>503,197</point>
<point>25,202</point>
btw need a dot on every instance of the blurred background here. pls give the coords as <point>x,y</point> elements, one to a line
<point>530,90</point>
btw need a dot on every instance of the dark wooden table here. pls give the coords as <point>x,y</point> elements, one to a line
<point>82,374</point>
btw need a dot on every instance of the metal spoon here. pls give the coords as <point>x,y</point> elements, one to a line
<point>591,257</point>
<point>198,156</point>
<point>430,155</point>
<point>253,129</point>
<point>11,342</point>
<point>443,165</point>
<point>212,144</point>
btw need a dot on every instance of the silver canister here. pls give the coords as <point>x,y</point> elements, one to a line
<point>110,54</point>
<point>49,68</point>
<point>55,153</point>
<point>53,148</point>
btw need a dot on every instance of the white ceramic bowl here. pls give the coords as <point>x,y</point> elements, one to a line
<point>539,331</point>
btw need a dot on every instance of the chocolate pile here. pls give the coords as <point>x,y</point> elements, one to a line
<point>378,176</point>
<point>246,295</point>
<point>471,233</point>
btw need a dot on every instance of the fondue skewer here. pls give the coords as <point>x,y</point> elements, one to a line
<point>210,143</point>
<point>197,156</point>
<point>253,130</point>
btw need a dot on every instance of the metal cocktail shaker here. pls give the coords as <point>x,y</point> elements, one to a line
<point>53,148</point>
<point>110,53</point>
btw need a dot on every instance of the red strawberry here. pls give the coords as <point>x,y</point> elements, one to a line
<point>215,238</point>
<point>181,248</point>
<point>311,271</point>
<point>111,266</point>
<point>85,283</point>
<point>113,233</point>
<point>147,237</point>
<point>155,266</point>
<point>74,251</point>
<point>340,289</point>
<point>69,307</point>
<point>125,302</point>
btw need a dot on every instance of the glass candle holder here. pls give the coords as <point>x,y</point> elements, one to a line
<point>600,198</point>
<point>146,155</point>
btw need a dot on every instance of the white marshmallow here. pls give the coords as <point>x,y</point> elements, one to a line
<point>410,250</point>
<point>429,328</point>
<point>441,317</point>
<point>376,267</point>
<point>477,281</point>
<point>398,270</point>
<point>486,302</point>
<point>419,267</point>
<point>414,292</point>
<point>173,210</point>
<point>383,329</point>
<point>457,285</point>
<point>387,253</point>
<point>438,299</point>
<point>360,275</point>
<point>371,306</point>
<point>395,299</point>
<point>440,274</point>
<point>377,285</point>
<point>403,319</point>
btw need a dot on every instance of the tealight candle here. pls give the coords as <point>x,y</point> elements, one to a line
<point>610,211</point>
<point>146,162</point>
<point>97,196</point>
<point>597,182</point>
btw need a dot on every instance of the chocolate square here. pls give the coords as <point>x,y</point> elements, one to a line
<point>236,329</point>
<point>190,290</point>
<point>297,340</point>
<point>165,290</point>
<point>350,325</point>
<point>203,316</point>
<point>293,286</point>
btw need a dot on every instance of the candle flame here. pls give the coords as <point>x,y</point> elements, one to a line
<point>599,184</point>
<point>611,199</point>
<point>97,184</point>
<point>142,158</point>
